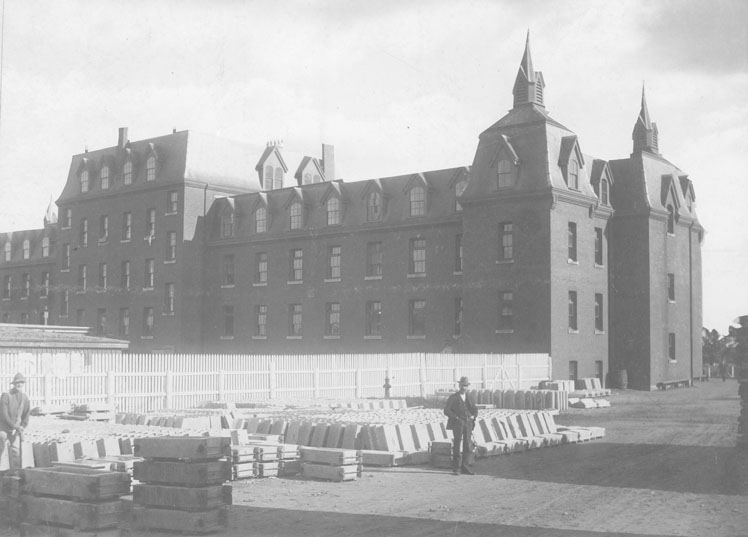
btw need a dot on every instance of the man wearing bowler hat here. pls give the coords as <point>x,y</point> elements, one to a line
<point>461,412</point>
<point>14,418</point>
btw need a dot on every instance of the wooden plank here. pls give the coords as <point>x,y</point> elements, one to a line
<point>75,483</point>
<point>44,530</point>
<point>292,432</point>
<point>182,498</point>
<point>182,473</point>
<point>330,473</point>
<point>330,456</point>
<point>182,447</point>
<point>305,433</point>
<point>175,520</point>
<point>334,435</point>
<point>319,434</point>
<point>80,515</point>
<point>289,467</point>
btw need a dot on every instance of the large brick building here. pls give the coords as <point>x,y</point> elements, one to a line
<point>189,243</point>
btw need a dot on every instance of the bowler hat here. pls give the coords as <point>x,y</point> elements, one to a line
<point>18,378</point>
<point>464,381</point>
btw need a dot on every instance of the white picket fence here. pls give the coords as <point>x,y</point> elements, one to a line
<point>137,383</point>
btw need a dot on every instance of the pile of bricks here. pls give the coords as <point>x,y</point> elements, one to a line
<point>330,464</point>
<point>182,484</point>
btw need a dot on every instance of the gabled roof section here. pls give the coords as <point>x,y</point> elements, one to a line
<point>461,174</point>
<point>305,161</point>
<point>332,190</point>
<point>225,204</point>
<point>417,179</point>
<point>270,150</point>
<point>295,194</point>
<point>83,165</point>
<point>668,192</point>
<point>686,186</point>
<point>505,148</point>
<point>261,200</point>
<point>570,144</point>
<point>600,170</point>
<point>151,151</point>
<point>372,185</point>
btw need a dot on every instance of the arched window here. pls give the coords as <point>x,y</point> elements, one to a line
<point>84,181</point>
<point>417,201</point>
<point>261,221</point>
<point>45,247</point>
<point>296,216</point>
<point>227,225</point>
<point>604,192</point>
<point>150,169</point>
<point>6,251</point>
<point>104,177</point>
<point>459,189</point>
<point>573,174</point>
<point>505,174</point>
<point>670,220</point>
<point>268,178</point>
<point>127,173</point>
<point>374,207</point>
<point>278,183</point>
<point>26,249</point>
<point>333,211</point>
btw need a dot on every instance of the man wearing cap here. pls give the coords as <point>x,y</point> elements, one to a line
<point>14,418</point>
<point>461,411</point>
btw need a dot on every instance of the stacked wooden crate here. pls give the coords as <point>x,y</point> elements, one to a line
<point>181,484</point>
<point>330,464</point>
<point>263,459</point>
<point>440,452</point>
<point>10,499</point>
<point>72,501</point>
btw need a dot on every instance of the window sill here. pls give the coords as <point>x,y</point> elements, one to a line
<point>227,286</point>
<point>63,317</point>
<point>671,361</point>
<point>295,282</point>
<point>504,261</point>
<point>260,284</point>
<point>372,337</point>
<point>45,297</point>
<point>294,337</point>
<point>599,332</point>
<point>504,331</point>
<point>573,331</point>
<point>168,314</point>
<point>332,280</point>
<point>330,337</point>
<point>598,265</point>
<point>146,337</point>
<point>259,337</point>
<point>372,277</point>
<point>24,298</point>
<point>671,234</point>
<point>170,261</point>
<point>227,338</point>
<point>416,337</point>
<point>457,273</point>
<point>417,275</point>
<point>65,228</point>
<point>125,240</point>
<point>105,242</point>
<point>6,298</point>
<point>80,292</point>
<point>65,270</point>
<point>572,261</point>
<point>670,301</point>
<point>147,288</point>
<point>171,214</point>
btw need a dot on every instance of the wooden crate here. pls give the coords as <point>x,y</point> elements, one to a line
<point>331,456</point>
<point>73,514</point>
<point>45,530</point>
<point>382,458</point>
<point>330,473</point>
<point>182,473</point>
<point>75,483</point>
<point>182,447</point>
<point>289,467</point>
<point>147,518</point>
<point>182,498</point>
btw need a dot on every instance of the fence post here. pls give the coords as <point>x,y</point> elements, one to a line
<point>169,386</point>
<point>110,387</point>
<point>519,373</point>
<point>550,367</point>
<point>271,380</point>
<point>359,385</point>
<point>484,376</point>
<point>422,375</point>
<point>455,375</point>
<point>316,382</point>
<point>47,389</point>
<point>221,385</point>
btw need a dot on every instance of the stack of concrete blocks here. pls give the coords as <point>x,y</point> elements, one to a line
<point>543,399</point>
<point>182,484</point>
<point>262,456</point>
<point>65,502</point>
<point>330,464</point>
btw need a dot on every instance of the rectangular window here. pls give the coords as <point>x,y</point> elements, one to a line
<point>671,346</point>
<point>599,313</point>
<point>296,265</point>
<point>227,225</point>
<point>125,275</point>
<point>100,322</point>
<point>671,287</point>
<point>126,226</point>
<point>172,202</point>
<point>573,311</point>
<point>171,245</point>
<point>147,322</point>
<point>506,311</point>
<point>149,277</point>
<point>83,232</point>
<point>417,318</point>
<point>228,269</point>
<point>44,291</point>
<point>573,370</point>
<point>65,256</point>
<point>572,241</point>
<point>24,318</point>
<point>506,250</point>
<point>261,320</point>
<point>80,317</point>
<point>169,299</point>
<point>333,262</point>
<point>294,320</point>
<point>67,218</point>
<point>45,247</point>
<point>228,321</point>
<point>102,275</point>
<point>104,175</point>
<point>417,263</point>
<point>26,287</point>
<point>261,220</point>
<point>374,257</point>
<point>261,268</point>
<point>332,319</point>
<point>599,247</point>
<point>373,319</point>
<point>150,224</point>
<point>124,322</point>
<point>64,301</point>
<point>417,201</point>
<point>103,228</point>
<point>458,252</point>
<point>7,282</point>
<point>458,317</point>
<point>599,372</point>
<point>82,277</point>
<point>333,211</point>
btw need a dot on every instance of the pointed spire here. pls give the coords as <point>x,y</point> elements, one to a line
<point>645,132</point>
<point>528,86</point>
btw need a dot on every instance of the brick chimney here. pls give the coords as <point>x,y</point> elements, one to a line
<point>328,161</point>
<point>122,141</point>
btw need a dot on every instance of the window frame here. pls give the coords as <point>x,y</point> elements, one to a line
<point>169,298</point>
<point>599,313</point>
<point>229,321</point>
<point>417,201</point>
<point>671,287</point>
<point>573,253</point>
<point>374,259</point>
<point>334,262</point>
<point>573,311</point>
<point>171,246</point>
<point>599,247</point>
<point>150,169</point>
<point>295,321</point>
<point>417,318</point>
<point>296,265</point>
<point>332,319</point>
<point>373,320</point>
<point>505,322</point>
<point>261,268</point>
<point>261,217</point>
<point>374,207</point>
<point>261,321</point>
<point>417,256</point>
<point>104,177</point>
<point>333,211</point>
<point>228,271</point>
<point>506,242</point>
<point>149,274</point>
<point>296,216</point>
<point>504,174</point>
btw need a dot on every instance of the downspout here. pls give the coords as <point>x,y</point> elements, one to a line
<point>690,294</point>
<point>202,267</point>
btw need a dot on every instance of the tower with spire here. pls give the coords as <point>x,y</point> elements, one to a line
<point>645,131</point>
<point>529,84</point>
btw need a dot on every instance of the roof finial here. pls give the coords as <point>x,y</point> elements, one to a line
<point>528,86</point>
<point>645,133</point>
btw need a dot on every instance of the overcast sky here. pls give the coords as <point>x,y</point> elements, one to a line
<point>397,86</point>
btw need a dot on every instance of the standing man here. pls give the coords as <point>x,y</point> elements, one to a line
<point>461,412</point>
<point>14,418</point>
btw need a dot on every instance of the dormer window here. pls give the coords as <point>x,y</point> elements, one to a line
<point>278,182</point>
<point>45,247</point>
<point>459,189</point>
<point>574,174</point>
<point>84,181</point>
<point>261,220</point>
<point>670,220</point>
<point>150,169</point>
<point>127,173</point>
<point>6,251</point>
<point>417,201</point>
<point>504,171</point>
<point>374,207</point>
<point>296,216</point>
<point>333,211</point>
<point>26,249</point>
<point>104,176</point>
<point>227,225</point>
<point>604,192</point>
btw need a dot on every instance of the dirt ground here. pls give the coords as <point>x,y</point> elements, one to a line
<point>665,467</point>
